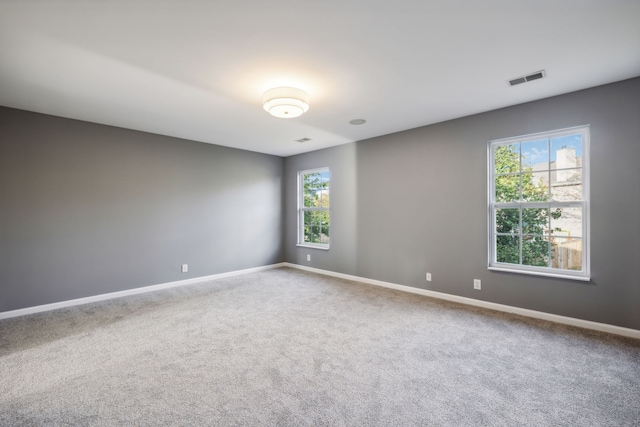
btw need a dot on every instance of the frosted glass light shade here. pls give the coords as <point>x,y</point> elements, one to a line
<point>286,102</point>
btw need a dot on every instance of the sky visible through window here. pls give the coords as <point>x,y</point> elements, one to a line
<point>324,176</point>
<point>544,150</point>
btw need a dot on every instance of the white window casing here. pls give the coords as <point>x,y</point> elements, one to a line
<point>538,204</point>
<point>314,210</point>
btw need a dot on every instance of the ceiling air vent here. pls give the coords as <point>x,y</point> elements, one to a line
<point>534,76</point>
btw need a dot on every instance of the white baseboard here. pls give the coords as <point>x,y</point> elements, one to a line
<point>135,291</point>
<point>586,324</point>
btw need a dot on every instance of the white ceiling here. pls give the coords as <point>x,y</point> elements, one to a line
<point>197,69</point>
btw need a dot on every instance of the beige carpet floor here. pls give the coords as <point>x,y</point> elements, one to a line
<point>290,348</point>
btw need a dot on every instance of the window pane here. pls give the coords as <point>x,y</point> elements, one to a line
<point>508,249</point>
<point>316,227</point>
<point>324,178</point>
<point>566,152</point>
<point>567,254</point>
<point>566,223</point>
<point>323,190</point>
<point>308,226</point>
<point>309,218</point>
<point>535,164</point>
<point>507,158</point>
<point>324,218</point>
<point>324,234</point>
<point>535,221</point>
<point>507,188</point>
<point>566,185</point>
<point>310,195</point>
<point>535,154</point>
<point>314,235</point>
<point>534,190</point>
<point>540,178</point>
<point>321,217</point>
<point>314,185</point>
<point>508,220</point>
<point>535,251</point>
<point>312,217</point>
<point>323,200</point>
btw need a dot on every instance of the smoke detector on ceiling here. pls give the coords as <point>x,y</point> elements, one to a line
<point>528,78</point>
<point>357,122</point>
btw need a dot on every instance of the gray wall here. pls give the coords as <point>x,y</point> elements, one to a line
<point>416,201</point>
<point>87,209</point>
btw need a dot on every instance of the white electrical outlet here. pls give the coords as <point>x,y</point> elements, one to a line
<point>477,284</point>
<point>308,257</point>
<point>185,268</point>
<point>428,277</point>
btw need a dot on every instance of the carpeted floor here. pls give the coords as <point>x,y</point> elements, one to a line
<point>286,347</point>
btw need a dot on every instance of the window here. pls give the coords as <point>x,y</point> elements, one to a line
<point>538,204</point>
<point>313,208</point>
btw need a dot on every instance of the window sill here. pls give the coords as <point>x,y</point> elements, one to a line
<point>541,273</point>
<point>322,248</point>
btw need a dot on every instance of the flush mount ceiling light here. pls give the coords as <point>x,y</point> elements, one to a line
<point>286,102</point>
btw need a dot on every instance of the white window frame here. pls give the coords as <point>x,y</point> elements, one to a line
<point>493,264</point>
<point>302,209</point>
